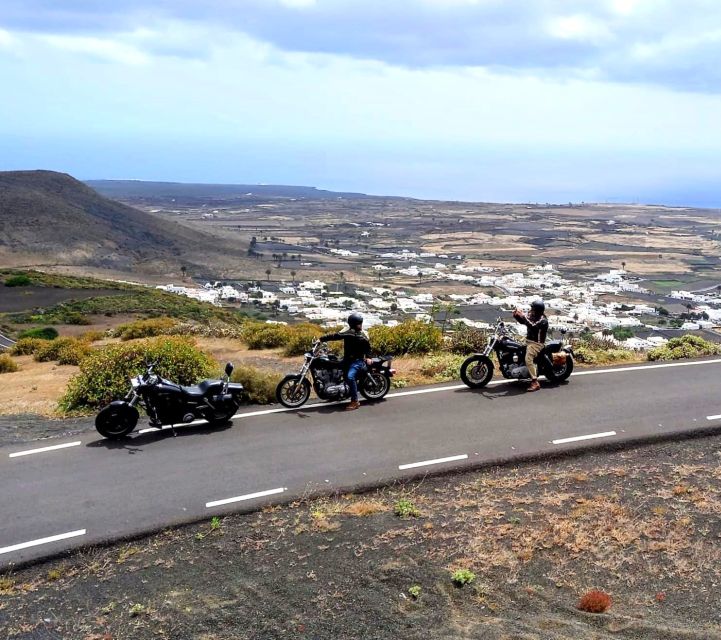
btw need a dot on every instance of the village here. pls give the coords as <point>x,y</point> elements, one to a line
<point>613,305</point>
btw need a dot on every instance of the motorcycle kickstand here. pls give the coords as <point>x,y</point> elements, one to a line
<point>172,428</point>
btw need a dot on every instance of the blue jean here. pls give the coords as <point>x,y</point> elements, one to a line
<point>355,368</point>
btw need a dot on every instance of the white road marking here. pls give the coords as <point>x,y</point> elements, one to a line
<point>591,436</point>
<point>426,463</point>
<point>455,387</point>
<point>28,452</point>
<point>35,543</point>
<point>718,417</point>
<point>249,496</point>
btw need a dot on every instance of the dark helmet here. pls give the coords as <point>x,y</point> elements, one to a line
<point>538,307</point>
<point>355,320</point>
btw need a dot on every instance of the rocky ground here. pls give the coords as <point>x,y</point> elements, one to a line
<point>642,525</point>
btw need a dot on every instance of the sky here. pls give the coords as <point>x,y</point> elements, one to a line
<point>484,100</point>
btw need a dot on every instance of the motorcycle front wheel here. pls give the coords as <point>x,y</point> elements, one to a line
<point>477,371</point>
<point>116,421</point>
<point>292,391</point>
<point>375,385</point>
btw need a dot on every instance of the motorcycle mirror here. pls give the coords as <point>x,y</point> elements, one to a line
<point>563,331</point>
<point>229,368</point>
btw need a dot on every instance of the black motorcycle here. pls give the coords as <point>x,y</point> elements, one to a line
<point>328,375</point>
<point>167,403</point>
<point>555,361</point>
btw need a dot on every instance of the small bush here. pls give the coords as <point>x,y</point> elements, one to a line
<point>45,333</point>
<point>595,602</point>
<point>18,281</point>
<point>210,329</point>
<point>73,352</point>
<point>411,336</point>
<point>27,346</point>
<point>7,364</point>
<point>93,335</point>
<point>105,372</point>
<point>462,577</point>
<point>300,338</point>
<point>148,328</point>
<point>259,385</point>
<point>465,339</point>
<point>404,508</point>
<point>442,367</point>
<point>415,591</point>
<point>604,355</point>
<point>688,346</point>
<point>260,335</point>
<point>51,349</point>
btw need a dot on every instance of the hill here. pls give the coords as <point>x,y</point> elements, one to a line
<point>140,189</point>
<point>52,219</point>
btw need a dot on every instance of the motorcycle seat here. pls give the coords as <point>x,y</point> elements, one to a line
<point>202,388</point>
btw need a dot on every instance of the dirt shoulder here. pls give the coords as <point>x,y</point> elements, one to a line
<point>642,525</point>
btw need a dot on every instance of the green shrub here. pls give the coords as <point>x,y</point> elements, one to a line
<point>259,385</point>
<point>210,329</point>
<point>606,355</point>
<point>73,352</point>
<point>51,349</point>
<point>688,346</point>
<point>261,335</point>
<point>7,364</point>
<point>18,281</point>
<point>148,328</point>
<point>105,372</point>
<point>300,337</point>
<point>27,346</point>
<point>404,508</point>
<point>411,336</point>
<point>463,576</point>
<point>465,339</point>
<point>46,333</point>
<point>93,335</point>
<point>442,366</point>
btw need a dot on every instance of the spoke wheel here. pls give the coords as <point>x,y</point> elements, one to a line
<point>292,391</point>
<point>375,386</point>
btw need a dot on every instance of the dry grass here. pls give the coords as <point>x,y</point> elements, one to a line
<point>34,388</point>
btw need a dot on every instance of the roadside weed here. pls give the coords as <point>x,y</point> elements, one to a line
<point>461,577</point>
<point>404,508</point>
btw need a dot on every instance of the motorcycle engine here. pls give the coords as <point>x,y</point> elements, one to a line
<point>519,372</point>
<point>337,390</point>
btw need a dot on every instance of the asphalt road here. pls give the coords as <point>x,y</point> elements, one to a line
<point>87,490</point>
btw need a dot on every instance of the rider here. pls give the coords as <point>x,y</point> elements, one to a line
<point>537,327</point>
<point>356,353</point>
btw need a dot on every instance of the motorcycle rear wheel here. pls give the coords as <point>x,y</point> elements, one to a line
<point>477,371</point>
<point>562,372</point>
<point>292,392</point>
<point>116,421</point>
<point>375,386</point>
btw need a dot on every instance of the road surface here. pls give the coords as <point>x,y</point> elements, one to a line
<point>60,494</point>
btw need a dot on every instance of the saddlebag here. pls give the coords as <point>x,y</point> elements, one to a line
<point>559,358</point>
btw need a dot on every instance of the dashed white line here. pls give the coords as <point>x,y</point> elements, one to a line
<point>591,436</point>
<point>35,543</point>
<point>249,496</point>
<point>426,463</point>
<point>718,417</point>
<point>28,452</point>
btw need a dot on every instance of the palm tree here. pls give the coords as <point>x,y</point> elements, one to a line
<point>341,280</point>
<point>267,273</point>
<point>184,271</point>
<point>292,275</point>
<point>623,266</point>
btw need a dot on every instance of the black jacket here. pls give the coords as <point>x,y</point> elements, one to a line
<point>537,329</point>
<point>356,344</point>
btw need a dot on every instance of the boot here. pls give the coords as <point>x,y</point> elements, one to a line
<point>534,386</point>
<point>354,404</point>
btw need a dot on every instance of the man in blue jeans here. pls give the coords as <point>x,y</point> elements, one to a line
<point>356,354</point>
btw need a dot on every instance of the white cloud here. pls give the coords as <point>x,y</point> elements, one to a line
<point>102,48</point>
<point>579,27</point>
